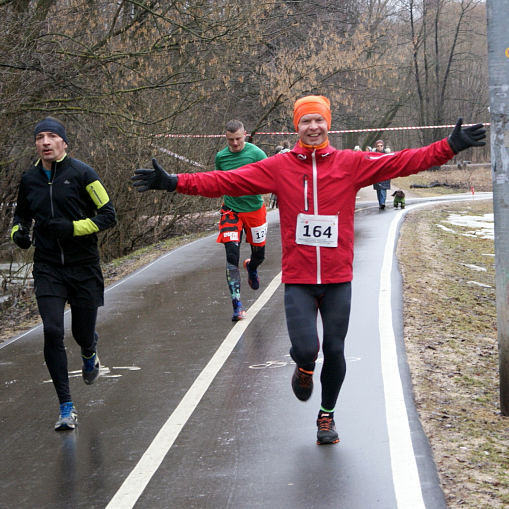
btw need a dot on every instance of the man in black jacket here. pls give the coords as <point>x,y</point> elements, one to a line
<point>68,205</point>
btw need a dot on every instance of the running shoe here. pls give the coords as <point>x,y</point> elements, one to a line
<point>327,433</point>
<point>91,368</point>
<point>252,276</point>
<point>238,311</point>
<point>302,383</point>
<point>68,419</point>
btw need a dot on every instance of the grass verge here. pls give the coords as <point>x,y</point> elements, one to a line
<point>451,342</point>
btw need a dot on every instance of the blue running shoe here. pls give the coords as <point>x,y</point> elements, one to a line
<point>91,368</point>
<point>238,311</point>
<point>252,276</point>
<point>68,419</point>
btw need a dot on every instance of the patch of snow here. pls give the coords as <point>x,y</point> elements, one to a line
<point>474,267</point>
<point>445,228</point>
<point>483,226</point>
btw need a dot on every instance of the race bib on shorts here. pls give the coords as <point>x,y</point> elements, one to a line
<point>259,233</point>
<point>317,230</point>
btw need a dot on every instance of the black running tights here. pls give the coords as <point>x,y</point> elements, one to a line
<point>302,305</point>
<point>51,310</point>
<point>233,254</point>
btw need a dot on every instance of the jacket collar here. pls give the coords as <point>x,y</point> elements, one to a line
<point>304,152</point>
<point>62,163</point>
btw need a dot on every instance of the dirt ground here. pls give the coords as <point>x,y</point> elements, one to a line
<point>450,334</point>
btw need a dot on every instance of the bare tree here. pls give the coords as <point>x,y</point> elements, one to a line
<point>124,75</point>
<point>441,43</point>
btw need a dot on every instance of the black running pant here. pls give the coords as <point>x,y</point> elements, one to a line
<point>233,254</point>
<point>302,305</point>
<point>51,310</point>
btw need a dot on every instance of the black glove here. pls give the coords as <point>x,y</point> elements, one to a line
<point>154,179</point>
<point>22,238</point>
<point>61,227</point>
<point>461,139</point>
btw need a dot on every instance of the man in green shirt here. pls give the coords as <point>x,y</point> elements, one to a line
<point>241,213</point>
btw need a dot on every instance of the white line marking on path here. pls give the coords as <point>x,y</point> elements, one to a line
<point>405,474</point>
<point>138,479</point>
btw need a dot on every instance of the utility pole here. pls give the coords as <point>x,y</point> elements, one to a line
<point>498,65</point>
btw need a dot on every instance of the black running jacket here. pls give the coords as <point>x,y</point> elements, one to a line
<point>74,192</point>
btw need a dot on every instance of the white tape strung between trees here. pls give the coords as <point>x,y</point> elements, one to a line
<point>371,130</point>
<point>170,153</point>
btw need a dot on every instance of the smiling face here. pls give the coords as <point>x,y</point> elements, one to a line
<point>50,147</point>
<point>379,147</point>
<point>312,129</point>
<point>236,140</point>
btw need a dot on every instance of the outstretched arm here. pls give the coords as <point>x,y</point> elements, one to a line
<point>374,167</point>
<point>461,139</point>
<point>254,178</point>
<point>154,179</point>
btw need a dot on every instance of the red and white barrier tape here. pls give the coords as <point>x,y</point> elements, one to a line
<point>169,152</point>
<point>400,128</point>
<point>194,163</point>
<point>330,132</point>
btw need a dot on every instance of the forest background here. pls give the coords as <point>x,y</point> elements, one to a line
<point>125,77</point>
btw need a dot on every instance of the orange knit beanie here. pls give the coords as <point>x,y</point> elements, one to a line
<point>311,104</point>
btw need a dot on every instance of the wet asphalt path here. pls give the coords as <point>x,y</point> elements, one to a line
<point>177,421</point>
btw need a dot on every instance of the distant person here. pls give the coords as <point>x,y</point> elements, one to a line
<point>316,185</point>
<point>68,205</point>
<point>383,186</point>
<point>241,214</point>
<point>286,146</point>
<point>357,148</point>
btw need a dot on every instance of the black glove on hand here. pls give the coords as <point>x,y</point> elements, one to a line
<point>22,238</point>
<point>61,227</point>
<point>154,179</point>
<point>461,139</point>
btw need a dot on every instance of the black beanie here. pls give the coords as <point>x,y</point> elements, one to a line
<point>51,125</point>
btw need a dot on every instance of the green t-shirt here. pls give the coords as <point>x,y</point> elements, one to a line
<point>227,160</point>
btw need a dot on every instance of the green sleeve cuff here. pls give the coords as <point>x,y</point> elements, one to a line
<point>15,228</point>
<point>84,227</point>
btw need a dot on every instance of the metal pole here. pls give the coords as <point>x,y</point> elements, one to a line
<point>498,64</point>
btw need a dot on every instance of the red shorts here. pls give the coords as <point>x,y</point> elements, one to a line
<point>253,223</point>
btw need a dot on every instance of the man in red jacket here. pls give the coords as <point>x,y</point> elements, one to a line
<point>316,187</point>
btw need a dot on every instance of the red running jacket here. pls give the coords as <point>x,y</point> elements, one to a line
<point>315,182</point>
